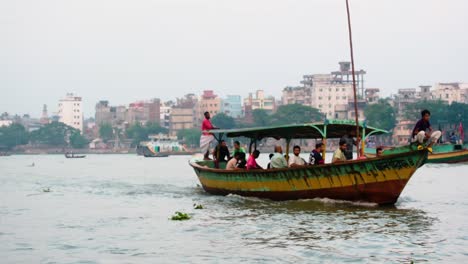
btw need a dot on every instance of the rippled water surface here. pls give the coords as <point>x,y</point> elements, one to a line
<point>116,209</point>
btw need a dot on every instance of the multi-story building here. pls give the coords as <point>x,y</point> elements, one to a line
<point>184,114</point>
<point>165,114</point>
<point>45,116</point>
<point>209,102</point>
<point>297,95</point>
<point>451,92</point>
<point>141,111</point>
<point>260,101</point>
<point>70,111</point>
<point>372,95</point>
<point>328,95</point>
<point>232,106</point>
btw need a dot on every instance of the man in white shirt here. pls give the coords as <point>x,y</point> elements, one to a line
<point>295,160</point>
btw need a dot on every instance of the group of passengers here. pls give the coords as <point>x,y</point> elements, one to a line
<point>422,132</point>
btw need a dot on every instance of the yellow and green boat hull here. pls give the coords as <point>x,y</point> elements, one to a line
<point>376,180</point>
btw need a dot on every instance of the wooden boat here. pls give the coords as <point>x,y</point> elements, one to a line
<point>443,153</point>
<point>74,156</point>
<point>377,180</point>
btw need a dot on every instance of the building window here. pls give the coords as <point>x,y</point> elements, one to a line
<point>337,89</point>
<point>329,98</point>
<point>344,97</point>
<point>343,89</point>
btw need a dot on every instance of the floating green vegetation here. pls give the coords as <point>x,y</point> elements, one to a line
<point>197,206</point>
<point>179,216</point>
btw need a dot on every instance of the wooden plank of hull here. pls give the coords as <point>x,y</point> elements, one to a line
<point>374,180</point>
<point>380,192</point>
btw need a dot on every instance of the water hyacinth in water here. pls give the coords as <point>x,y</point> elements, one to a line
<point>178,216</point>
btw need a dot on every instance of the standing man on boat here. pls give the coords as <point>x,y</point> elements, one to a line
<point>350,142</point>
<point>423,131</point>
<point>206,138</point>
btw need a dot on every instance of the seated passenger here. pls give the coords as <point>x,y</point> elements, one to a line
<point>237,148</point>
<point>223,152</point>
<point>269,163</point>
<point>339,155</point>
<point>241,163</point>
<point>278,161</point>
<point>315,157</point>
<point>379,152</point>
<point>295,160</point>
<point>252,163</point>
<point>453,138</point>
<point>232,163</point>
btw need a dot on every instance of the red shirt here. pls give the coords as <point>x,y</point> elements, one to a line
<point>206,125</point>
<point>252,163</point>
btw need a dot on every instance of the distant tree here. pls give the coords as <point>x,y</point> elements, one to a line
<point>77,140</point>
<point>139,133</point>
<point>191,137</point>
<point>53,134</point>
<point>261,117</point>
<point>381,115</point>
<point>13,135</point>
<point>223,121</point>
<point>440,110</point>
<point>106,132</point>
<point>296,114</point>
<point>155,128</point>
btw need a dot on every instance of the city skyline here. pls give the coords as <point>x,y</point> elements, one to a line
<point>125,52</point>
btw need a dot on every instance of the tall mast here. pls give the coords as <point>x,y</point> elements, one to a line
<point>354,77</point>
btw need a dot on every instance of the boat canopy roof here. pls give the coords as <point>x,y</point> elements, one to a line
<point>328,129</point>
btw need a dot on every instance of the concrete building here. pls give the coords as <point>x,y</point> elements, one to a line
<point>209,102</point>
<point>328,95</point>
<point>372,95</point>
<point>232,106</point>
<point>70,111</point>
<point>45,116</point>
<point>184,114</point>
<point>297,95</point>
<point>402,132</point>
<point>451,92</point>
<point>260,101</point>
<point>165,114</point>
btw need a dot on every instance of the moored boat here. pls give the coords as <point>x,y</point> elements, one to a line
<point>377,180</point>
<point>74,156</point>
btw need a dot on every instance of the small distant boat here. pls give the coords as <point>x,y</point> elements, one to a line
<point>443,153</point>
<point>161,145</point>
<point>74,156</point>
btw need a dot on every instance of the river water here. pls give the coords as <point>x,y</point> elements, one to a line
<point>116,209</point>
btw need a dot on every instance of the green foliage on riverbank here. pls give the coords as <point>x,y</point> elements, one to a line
<point>12,136</point>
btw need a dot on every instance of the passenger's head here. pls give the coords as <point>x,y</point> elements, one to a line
<point>236,144</point>
<point>237,155</point>
<point>207,115</point>
<point>278,149</point>
<point>343,144</point>
<point>256,153</point>
<point>319,147</point>
<point>425,114</point>
<point>296,150</point>
<point>241,156</point>
<point>223,143</point>
<point>379,151</point>
<point>271,155</point>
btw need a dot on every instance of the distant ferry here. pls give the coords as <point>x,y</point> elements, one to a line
<point>161,145</point>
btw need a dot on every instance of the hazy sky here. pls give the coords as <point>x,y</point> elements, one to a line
<point>123,51</point>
